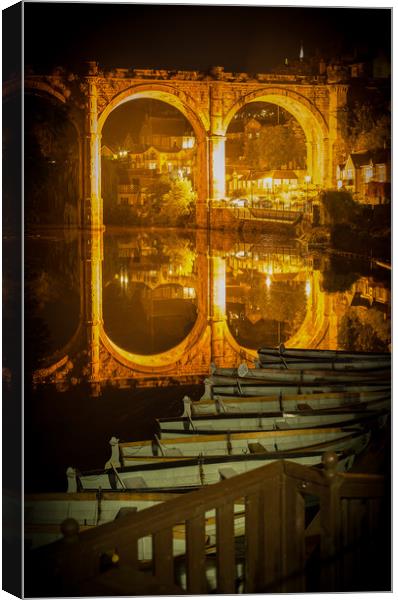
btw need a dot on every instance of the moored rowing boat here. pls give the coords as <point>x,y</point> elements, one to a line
<point>244,422</point>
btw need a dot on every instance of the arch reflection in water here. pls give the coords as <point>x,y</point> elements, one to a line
<point>200,278</point>
<point>268,293</point>
<point>149,290</point>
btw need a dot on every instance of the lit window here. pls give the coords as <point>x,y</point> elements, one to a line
<point>368,173</point>
<point>188,142</point>
<point>381,172</point>
<point>152,165</point>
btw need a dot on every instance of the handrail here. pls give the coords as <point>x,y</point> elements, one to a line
<point>275,532</point>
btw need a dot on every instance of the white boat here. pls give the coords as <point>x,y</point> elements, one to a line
<point>334,365</point>
<point>255,388</point>
<point>44,513</point>
<point>243,422</point>
<point>376,399</point>
<point>296,376</point>
<point>236,443</point>
<point>185,474</point>
<point>283,353</point>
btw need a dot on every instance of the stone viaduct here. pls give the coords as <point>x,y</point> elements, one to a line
<point>209,101</point>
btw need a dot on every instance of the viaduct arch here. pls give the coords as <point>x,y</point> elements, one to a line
<point>308,116</point>
<point>208,101</point>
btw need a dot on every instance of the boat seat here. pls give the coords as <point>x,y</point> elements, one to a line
<point>283,425</point>
<point>172,452</point>
<point>257,448</point>
<point>303,406</point>
<point>125,510</point>
<point>135,482</point>
<point>227,473</point>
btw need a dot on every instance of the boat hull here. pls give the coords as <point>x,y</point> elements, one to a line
<point>191,474</point>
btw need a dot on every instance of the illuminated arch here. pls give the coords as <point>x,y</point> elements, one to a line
<point>165,93</point>
<point>311,331</point>
<point>307,115</point>
<point>163,361</point>
<point>185,104</point>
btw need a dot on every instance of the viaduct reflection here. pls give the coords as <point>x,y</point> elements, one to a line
<point>215,286</point>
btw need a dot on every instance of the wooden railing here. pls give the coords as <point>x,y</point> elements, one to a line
<point>299,523</point>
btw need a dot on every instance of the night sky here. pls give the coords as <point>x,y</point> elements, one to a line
<point>243,38</point>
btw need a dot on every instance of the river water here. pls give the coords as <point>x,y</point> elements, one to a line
<point>156,286</point>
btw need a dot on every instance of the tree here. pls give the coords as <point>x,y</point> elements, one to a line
<point>368,128</point>
<point>364,331</point>
<point>339,207</point>
<point>276,146</point>
<point>178,203</point>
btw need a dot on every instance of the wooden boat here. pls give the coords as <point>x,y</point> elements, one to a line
<point>296,376</point>
<point>228,444</point>
<point>334,365</point>
<point>262,388</point>
<point>44,513</point>
<point>245,422</point>
<point>187,474</point>
<point>370,400</point>
<point>283,353</point>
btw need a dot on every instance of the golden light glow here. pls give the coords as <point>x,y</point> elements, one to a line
<point>308,288</point>
<point>219,287</point>
<point>268,182</point>
<point>268,281</point>
<point>218,167</point>
<point>189,292</point>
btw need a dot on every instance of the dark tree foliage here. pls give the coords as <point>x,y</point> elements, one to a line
<point>51,164</point>
<point>364,334</point>
<point>339,206</point>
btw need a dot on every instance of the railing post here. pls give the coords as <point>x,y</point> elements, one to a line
<point>226,569</point>
<point>163,556</point>
<point>330,525</point>
<point>196,557</point>
<point>292,537</point>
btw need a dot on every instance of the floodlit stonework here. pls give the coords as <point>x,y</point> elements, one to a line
<point>209,101</point>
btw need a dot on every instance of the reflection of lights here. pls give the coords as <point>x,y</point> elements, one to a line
<point>219,291</point>
<point>308,288</point>
<point>116,276</point>
<point>339,184</point>
<point>170,271</point>
<point>307,178</point>
<point>268,281</point>
<point>123,279</point>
